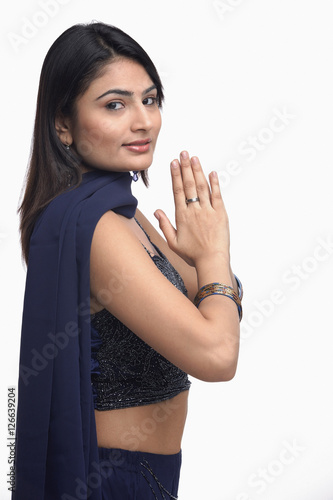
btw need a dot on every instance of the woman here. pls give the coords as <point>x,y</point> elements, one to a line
<point>109,333</point>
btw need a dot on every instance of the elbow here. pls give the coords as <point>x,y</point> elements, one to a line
<point>228,374</point>
<point>219,363</point>
<point>220,372</point>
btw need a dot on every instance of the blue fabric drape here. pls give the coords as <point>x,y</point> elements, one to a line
<point>56,445</point>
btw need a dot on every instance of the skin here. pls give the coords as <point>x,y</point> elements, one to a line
<point>201,341</point>
<point>102,125</point>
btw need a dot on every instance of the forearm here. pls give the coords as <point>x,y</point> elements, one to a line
<point>221,312</point>
<point>201,239</point>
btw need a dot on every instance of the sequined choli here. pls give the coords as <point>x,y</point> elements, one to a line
<point>125,371</point>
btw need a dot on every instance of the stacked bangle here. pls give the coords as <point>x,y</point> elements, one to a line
<point>220,289</point>
<point>239,286</point>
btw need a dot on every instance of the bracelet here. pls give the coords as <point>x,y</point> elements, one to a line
<point>219,289</point>
<point>239,286</point>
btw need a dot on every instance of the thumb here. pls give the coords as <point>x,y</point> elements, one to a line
<point>166,227</point>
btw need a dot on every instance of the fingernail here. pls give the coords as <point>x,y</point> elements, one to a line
<point>157,215</point>
<point>195,160</point>
<point>184,155</point>
<point>174,164</point>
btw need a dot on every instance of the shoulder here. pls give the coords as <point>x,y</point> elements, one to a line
<point>117,258</point>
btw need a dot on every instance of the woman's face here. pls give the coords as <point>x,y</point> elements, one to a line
<point>117,119</point>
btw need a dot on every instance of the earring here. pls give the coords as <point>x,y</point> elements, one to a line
<point>67,146</point>
<point>69,180</point>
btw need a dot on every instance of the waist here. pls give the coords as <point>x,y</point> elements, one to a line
<point>154,428</point>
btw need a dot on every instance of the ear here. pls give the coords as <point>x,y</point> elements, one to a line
<point>63,129</point>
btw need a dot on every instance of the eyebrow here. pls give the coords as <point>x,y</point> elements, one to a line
<point>126,93</point>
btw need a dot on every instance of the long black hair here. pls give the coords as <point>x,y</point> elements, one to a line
<point>74,60</point>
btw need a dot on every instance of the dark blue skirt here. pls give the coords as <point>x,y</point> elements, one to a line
<point>136,475</point>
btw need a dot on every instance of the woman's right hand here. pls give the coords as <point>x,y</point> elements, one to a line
<point>202,227</point>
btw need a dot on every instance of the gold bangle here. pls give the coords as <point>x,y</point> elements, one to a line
<point>219,289</point>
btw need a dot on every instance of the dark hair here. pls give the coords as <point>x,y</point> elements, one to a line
<point>74,60</point>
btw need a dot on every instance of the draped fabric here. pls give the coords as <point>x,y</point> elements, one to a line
<point>56,445</point>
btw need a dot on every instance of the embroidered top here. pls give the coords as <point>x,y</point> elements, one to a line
<point>126,371</point>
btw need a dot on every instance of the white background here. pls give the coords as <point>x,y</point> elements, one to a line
<point>228,68</point>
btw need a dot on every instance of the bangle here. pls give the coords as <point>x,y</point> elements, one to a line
<point>239,286</point>
<point>219,289</point>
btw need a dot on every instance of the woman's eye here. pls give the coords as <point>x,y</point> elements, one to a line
<point>150,101</point>
<point>114,105</point>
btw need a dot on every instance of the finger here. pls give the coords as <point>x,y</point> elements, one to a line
<point>167,228</point>
<point>190,189</point>
<point>216,197</point>
<point>177,186</point>
<point>202,186</point>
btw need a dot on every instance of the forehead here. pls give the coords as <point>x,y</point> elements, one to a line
<point>122,74</point>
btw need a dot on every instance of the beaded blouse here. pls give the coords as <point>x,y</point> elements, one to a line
<point>125,370</point>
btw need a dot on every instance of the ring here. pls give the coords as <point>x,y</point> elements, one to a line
<point>192,200</point>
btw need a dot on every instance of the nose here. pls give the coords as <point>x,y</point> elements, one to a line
<point>142,119</point>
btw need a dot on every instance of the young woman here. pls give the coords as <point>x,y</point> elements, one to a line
<point>110,330</point>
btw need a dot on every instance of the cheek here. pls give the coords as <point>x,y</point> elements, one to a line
<point>110,131</point>
<point>158,122</point>
<point>92,133</point>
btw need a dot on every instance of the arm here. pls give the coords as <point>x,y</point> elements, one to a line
<point>202,341</point>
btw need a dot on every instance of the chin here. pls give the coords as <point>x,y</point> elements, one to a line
<point>140,165</point>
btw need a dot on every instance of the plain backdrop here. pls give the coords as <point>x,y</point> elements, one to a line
<point>248,89</point>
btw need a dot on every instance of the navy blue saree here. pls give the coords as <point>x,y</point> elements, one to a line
<point>56,445</point>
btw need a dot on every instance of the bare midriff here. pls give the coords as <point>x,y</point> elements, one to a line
<point>155,428</point>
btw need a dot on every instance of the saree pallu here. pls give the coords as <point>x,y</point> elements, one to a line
<point>56,444</point>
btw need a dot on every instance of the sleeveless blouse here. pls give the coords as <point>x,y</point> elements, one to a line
<point>125,370</point>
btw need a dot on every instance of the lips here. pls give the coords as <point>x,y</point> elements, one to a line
<point>141,146</point>
<point>138,143</point>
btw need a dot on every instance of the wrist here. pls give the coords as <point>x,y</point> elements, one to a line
<point>218,289</point>
<point>212,258</point>
<point>213,268</point>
